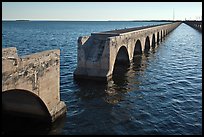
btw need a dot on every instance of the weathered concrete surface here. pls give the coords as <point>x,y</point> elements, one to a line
<point>195,24</point>
<point>31,80</point>
<point>98,53</point>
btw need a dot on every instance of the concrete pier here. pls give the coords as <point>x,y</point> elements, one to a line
<point>98,53</point>
<point>31,84</point>
<point>195,24</point>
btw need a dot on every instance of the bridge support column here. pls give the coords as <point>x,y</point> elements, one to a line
<point>93,63</point>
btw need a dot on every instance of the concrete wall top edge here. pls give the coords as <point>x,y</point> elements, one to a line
<point>131,29</point>
<point>115,33</point>
<point>43,53</point>
<point>9,52</point>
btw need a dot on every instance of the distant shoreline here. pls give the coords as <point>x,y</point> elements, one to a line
<point>90,20</point>
<point>21,20</point>
<point>103,20</point>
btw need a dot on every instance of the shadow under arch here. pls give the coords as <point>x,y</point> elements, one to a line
<point>122,62</point>
<point>137,53</point>
<point>138,48</point>
<point>122,56</point>
<point>121,66</point>
<point>153,41</point>
<point>161,35</point>
<point>25,104</point>
<point>14,121</point>
<point>157,37</point>
<point>147,45</point>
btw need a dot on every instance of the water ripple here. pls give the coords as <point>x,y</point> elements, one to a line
<point>160,95</point>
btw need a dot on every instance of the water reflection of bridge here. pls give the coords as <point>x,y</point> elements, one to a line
<point>114,90</point>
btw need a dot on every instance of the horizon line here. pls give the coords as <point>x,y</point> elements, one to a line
<point>90,20</point>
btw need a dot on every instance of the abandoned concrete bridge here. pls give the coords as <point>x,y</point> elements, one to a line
<point>98,53</point>
<point>31,84</point>
<point>195,24</point>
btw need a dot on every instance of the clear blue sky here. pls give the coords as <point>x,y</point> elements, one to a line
<point>101,10</point>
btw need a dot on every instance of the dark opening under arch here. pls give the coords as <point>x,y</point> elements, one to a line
<point>157,37</point>
<point>147,45</point>
<point>161,35</point>
<point>24,103</point>
<point>153,41</point>
<point>122,56</point>
<point>138,48</point>
<point>122,61</point>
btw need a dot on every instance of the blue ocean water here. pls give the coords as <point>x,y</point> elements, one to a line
<point>160,93</point>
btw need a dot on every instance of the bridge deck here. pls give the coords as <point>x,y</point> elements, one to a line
<point>120,31</point>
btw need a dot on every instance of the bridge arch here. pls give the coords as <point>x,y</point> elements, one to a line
<point>157,37</point>
<point>165,32</point>
<point>121,61</point>
<point>153,41</point>
<point>137,48</point>
<point>161,35</point>
<point>147,45</point>
<point>25,103</point>
<point>122,56</point>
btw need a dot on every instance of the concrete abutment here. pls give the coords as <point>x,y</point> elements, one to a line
<point>31,84</point>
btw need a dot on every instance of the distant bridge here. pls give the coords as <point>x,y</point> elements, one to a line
<point>31,84</point>
<point>98,53</point>
<point>195,24</point>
